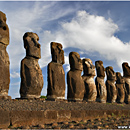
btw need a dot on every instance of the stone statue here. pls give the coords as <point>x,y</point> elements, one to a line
<point>126,75</point>
<point>88,78</point>
<point>56,74</point>
<point>74,80</point>
<point>4,58</point>
<point>120,85</point>
<point>100,84</point>
<point>110,84</point>
<point>31,74</point>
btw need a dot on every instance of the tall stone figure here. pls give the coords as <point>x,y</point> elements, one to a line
<point>31,74</point>
<point>110,84</point>
<point>74,80</point>
<point>56,74</point>
<point>88,78</point>
<point>126,75</point>
<point>4,58</point>
<point>100,84</point>
<point>120,85</point>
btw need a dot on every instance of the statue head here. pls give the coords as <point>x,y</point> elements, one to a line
<point>119,78</point>
<point>75,61</point>
<point>111,75</point>
<point>100,68</point>
<point>57,53</point>
<point>88,67</point>
<point>4,30</point>
<point>31,45</point>
<point>126,69</point>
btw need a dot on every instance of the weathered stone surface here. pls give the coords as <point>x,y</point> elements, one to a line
<point>57,53</point>
<point>4,30</point>
<point>56,74</point>
<point>74,80</point>
<point>56,81</point>
<point>4,119</point>
<point>25,118</point>
<point>4,58</point>
<point>120,85</point>
<point>31,74</point>
<point>100,84</point>
<point>88,77</point>
<point>110,84</point>
<point>126,75</point>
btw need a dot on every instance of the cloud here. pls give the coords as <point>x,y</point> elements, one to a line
<point>32,17</point>
<point>87,32</point>
<point>15,84</point>
<point>91,33</point>
<point>15,75</point>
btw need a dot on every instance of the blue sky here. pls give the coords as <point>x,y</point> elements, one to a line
<point>96,30</point>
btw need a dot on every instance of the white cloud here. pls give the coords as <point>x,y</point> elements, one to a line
<point>92,33</point>
<point>87,32</point>
<point>15,75</point>
<point>15,84</point>
<point>44,91</point>
<point>31,16</point>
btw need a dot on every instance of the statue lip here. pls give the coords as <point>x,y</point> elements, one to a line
<point>2,43</point>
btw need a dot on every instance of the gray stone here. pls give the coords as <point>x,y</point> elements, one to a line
<point>126,75</point>
<point>31,74</point>
<point>74,80</point>
<point>110,84</point>
<point>120,85</point>
<point>88,77</point>
<point>4,58</point>
<point>100,84</point>
<point>56,74</point>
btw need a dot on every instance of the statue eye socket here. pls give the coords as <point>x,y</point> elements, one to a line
<point>4,28</point>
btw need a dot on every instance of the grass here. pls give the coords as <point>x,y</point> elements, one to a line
<point>82,122</point>
<point>113,114</point>
<point>61,108</point>
<point>43,97</point>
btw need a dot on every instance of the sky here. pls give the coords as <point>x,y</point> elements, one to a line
<point>96,30</point>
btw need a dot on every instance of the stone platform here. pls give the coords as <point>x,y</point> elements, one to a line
<point>35,112</point>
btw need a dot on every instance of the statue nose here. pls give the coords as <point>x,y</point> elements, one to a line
<point>38,45</point>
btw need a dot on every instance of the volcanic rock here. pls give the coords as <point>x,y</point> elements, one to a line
<point>110,84</point>
<point>56,74</point>
<point>100,84</point>
<point>4,58</point>
<point>88,77</point>
<point>31,74</point>
<point>74,80</point>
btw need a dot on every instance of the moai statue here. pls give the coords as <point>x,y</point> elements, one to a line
<point>56,74</point>
<point>31,73</point>
<point>120,85</point>
<point>88,78</point>
<point>74,80</point>
<point>126,75</point>
<point>100,84</point>
<point>110,84</point>
<point>4,58</point>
